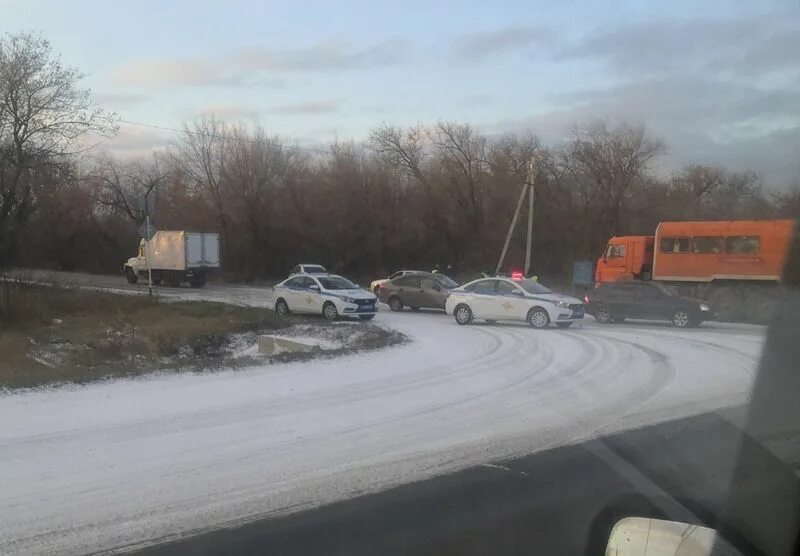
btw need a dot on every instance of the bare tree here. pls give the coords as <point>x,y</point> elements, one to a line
<point>43,113</point>
<point>606,163</point>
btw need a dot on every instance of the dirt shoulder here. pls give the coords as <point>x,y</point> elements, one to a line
<point>53,335</point>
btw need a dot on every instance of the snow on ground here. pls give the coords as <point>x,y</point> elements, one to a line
<point>122,464</point>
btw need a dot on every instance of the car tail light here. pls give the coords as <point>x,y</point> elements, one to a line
<point>586,298</point>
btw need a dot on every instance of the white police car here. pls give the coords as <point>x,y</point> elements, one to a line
<point>330,295</point>
<point>498,298</point>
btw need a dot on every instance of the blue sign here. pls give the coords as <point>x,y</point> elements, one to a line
<point>582,273</point>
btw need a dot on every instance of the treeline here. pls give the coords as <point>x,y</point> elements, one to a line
<point>407,197</point>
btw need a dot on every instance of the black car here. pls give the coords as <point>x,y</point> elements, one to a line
<point>614,302</point>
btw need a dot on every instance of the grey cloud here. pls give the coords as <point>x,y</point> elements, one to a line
<point>120,99</point>
<point>257,67</point>
<point>751,46</point>
<point>324,56</point>
<point>312,107</point>
<point>474,46</point>
<point>230,112</point>
<point>703,121</point>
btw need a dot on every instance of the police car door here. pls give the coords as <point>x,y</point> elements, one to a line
<point>512,302</point>
<point>309,296</point>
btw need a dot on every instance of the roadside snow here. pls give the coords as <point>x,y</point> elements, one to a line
<point>119,465</point>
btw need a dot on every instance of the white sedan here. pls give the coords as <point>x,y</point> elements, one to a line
<point>493,299</point>
<point>330,295</point>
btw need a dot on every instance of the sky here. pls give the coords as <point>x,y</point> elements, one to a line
<point>718,81</point>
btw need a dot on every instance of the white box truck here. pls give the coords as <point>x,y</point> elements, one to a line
<point>175,257</point>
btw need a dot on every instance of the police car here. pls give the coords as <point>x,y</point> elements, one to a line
<point>330,295</point>
<point>500,298</point>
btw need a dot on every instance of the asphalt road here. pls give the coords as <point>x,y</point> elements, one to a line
<point>126,464</point>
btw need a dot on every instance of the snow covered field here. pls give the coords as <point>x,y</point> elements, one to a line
<point>119,465</point>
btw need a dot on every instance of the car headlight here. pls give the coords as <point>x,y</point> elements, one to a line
<point>704,307</point>
<point>349,300</point>
<point>562,304</point>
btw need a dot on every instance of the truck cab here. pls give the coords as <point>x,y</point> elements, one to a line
<point>626,258</point>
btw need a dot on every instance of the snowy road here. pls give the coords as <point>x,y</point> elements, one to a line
<point>120,465</point>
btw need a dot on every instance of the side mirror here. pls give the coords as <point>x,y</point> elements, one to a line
<point>437,288</point>
<point>643,536</point>
<point>314,287</point>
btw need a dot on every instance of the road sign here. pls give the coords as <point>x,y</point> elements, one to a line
<point>582,273</point>
<point>142,230</point>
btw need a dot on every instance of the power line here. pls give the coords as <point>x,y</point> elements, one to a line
<point>221,137</point>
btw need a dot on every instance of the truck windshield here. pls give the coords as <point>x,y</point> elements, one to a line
<point>615,252</point>
<point>337,283</point>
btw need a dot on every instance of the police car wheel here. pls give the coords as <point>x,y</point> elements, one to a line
<point>281,308</point>
<point>463,314</point>
<point>538,318</point>
<point>329,311</point>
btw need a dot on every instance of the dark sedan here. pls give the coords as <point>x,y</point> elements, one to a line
<point>614,302</point>
<point>416,290</point>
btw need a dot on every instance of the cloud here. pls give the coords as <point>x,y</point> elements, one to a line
<point>750,46</point>
<point>475,46</point>
<point>258,66</point>
<point>301,108</point>
<point>229,112</point>
<point>709,121</point>
<point>327,55</point>
<point>120,99</point>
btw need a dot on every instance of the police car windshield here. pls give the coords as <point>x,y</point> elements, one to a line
<point>337,283</point>
<point>532,287</point>
<point>314,269</point>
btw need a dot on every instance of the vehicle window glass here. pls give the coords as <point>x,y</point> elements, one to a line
<point>504,288</point>
<point>293,283</point>
<point>648,292</point>
<point>748,245</point>
<point>315,268</point>
<point>484,286</point>
<point>674,245</point>
<point>427,283</point>
<point>615,252</point>
<point>395,275</point>
<point>408,281</point>
<point>296,269</point>
<point>708,244</point>
<point>533,287</point>
<point>446,281</point>
<point>307,282</point>
<point>337,283</point>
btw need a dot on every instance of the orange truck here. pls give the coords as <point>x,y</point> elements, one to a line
<point>700,253</point>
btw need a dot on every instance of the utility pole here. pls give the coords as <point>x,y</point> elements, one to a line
<point>147,239</point>
<point>527,188</point>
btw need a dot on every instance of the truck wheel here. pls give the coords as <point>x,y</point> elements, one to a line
<point>538,318</point>
<point>156,278</point>
<point>172,279</point>
<point>130,275</point>
<point>197,283</point>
